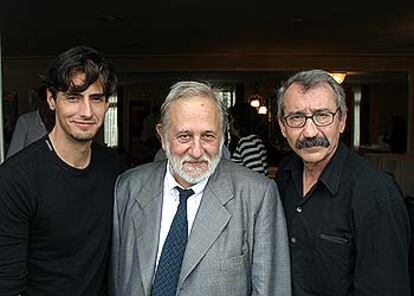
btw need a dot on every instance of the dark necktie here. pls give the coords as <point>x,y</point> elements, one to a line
<point>169,266</point>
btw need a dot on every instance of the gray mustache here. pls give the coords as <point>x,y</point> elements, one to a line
<point>312,142</point>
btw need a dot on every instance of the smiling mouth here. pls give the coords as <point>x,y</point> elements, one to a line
<point>195,162</point>
<point>314,148</point>
<point>84,125</point>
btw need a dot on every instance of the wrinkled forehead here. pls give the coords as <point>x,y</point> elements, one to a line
<point>186,107</point>
<point>320,94</point>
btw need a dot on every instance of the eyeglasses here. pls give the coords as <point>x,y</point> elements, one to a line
<point>321,119</point>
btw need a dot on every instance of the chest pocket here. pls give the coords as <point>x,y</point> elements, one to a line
<point>330,269</point>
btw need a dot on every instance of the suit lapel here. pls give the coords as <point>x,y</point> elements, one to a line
<point>212,217</point>
<point>147,224</point>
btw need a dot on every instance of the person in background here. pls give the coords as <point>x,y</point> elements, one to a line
<point>348,226</point>
<point>148,126</point>
<point>196,223</point>
<point>398,135</point>
<point>149,138</point>
<point>56,195</point>
<point>250,150</point>
<point>32,126</point>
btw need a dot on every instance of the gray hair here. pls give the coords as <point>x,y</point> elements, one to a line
<point>189,89</point>
<point>310,79</point>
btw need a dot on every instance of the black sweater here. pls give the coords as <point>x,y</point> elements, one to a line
<point>55,222</point>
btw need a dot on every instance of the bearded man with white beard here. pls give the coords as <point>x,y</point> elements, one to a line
<point>197,224</point>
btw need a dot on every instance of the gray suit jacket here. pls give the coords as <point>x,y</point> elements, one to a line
<point>237,246</point>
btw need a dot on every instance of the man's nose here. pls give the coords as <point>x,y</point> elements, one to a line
<point>85,109</point>
<point>310,130</point>
<point>196,150</point>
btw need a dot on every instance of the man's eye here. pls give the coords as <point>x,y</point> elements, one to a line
<point>72,99</point>
<point>183,138</point>
<point>97,99</point>
<point>298,117</point>
<point>322,116</point>
<point>209,137</point>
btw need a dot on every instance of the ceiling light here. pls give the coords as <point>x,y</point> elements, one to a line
<point>338,76</point>
<point>255,103</point>
<point>262,110</point>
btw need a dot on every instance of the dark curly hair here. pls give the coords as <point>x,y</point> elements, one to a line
<point>80,59</point>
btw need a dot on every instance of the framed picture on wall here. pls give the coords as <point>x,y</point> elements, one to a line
<point>137,112</point>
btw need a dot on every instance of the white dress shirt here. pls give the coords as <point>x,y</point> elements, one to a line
<point>170,202</point>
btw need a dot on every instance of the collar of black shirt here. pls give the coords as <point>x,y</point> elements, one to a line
<point>331,175</point>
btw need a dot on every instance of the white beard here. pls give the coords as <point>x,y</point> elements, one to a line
<point>193,175</point>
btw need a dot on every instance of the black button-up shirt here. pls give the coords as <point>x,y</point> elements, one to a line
<point>350,234</point>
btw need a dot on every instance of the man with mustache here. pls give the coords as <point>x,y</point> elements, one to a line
<point>197,224</point>
<point>348,226</point>
<point>56,194</point>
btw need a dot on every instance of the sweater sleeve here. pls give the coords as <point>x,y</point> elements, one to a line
<point>15,216</point>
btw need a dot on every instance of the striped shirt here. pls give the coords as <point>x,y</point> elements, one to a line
<point>251,153</point>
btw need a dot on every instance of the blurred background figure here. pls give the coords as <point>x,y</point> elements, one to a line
<point>150,121</point>
<point>32,126</point>
<point>246,146</point>
<point>150,143</point>
<point>398,134</point>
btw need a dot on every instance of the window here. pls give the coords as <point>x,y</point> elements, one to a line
<point>228,94</point>
<point>111,123</point>
<point>357,117</point>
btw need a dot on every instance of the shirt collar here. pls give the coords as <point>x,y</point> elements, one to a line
<point>331,175</point>
<point>293,166</point>
<point>171,183</point>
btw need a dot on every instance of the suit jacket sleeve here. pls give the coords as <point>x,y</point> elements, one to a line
<point>18,140</point>
<point>271,259</point>
<point>113,273</point>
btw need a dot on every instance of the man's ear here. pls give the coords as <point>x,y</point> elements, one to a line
<point>160,133</point>
<point>282,127</point>
<point>50,100</point>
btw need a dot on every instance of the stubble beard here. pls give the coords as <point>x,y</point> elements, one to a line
<point>78,136</point>
<point>83,137</point>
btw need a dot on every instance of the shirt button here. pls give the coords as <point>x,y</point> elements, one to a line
<point>299,209</point>
<point>293,239</point>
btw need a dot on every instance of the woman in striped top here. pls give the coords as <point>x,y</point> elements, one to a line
<point>250,150</point>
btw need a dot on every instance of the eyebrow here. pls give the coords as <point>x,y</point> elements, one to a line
<point>190,132</point>
<point>69,94</point>
<point>312,110</point>
<point>182,132</point>
<point>97,95</point>
<point>78,94</point>
<point>209,132</point>
<point>320,110</point>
